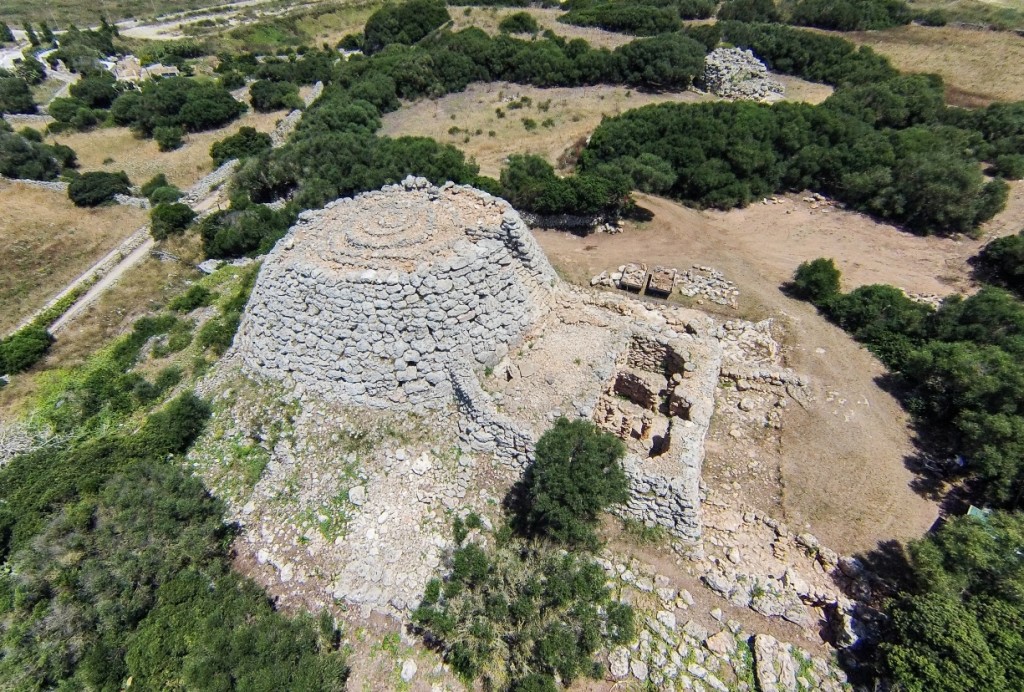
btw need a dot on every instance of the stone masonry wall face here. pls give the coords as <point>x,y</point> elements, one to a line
<point>386,338</point>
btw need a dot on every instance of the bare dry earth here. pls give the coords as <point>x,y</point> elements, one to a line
<point>574,113</point>
<point>841,460</point>
<point>117,148</point>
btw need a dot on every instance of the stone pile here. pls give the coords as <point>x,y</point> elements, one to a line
<point>703,283</point>
<point>707,283</point>
<point>677,649</point>
<point>736,73</point>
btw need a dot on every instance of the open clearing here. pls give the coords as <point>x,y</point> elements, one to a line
<point>467,119</point>
<point>116,149</point>
<point>978,66</point>
<point>841,461</point>
<point>488,18</point>
<point>49,241</point>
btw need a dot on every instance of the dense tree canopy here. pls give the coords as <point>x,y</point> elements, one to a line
<point>577,474</point>
<point>190,104</point>
<point>851,15</point>
<point>962,621</point>
<point>404,22</point>
<point>97,187</point>
<point>15,96</point>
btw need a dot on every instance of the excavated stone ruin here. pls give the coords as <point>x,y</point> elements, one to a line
<point>411,297</point>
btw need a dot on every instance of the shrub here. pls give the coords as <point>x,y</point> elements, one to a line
<point>189,104</point>
<point>15,96</point>
<point>1001,262</point>
<point>519,23</point>
<point>158,191</point>
<point>669,62</point>
<point>20,158</point>
<point>816,281</point>
<point>246,142</point>
<point>97,90</point>
<point>517,607</point>
<point>267,96</point>
<point>640,19</point>
<point>173,429</point>
<point>406,22</point>
<point>196,296</point>
<point>96,187</point>
<point>851,15</point>
<point>749,11</point>
<point>1009,166</point>
<point>169,219</point>
<point>168,138</point>
<point>576,474</point>
<point>23,349</point>
<point>218,333</point>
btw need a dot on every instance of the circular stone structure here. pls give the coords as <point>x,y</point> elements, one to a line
<point>374,300</point>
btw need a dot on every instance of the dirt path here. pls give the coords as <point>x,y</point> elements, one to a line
<point>841,461</point>
<point>108,280</point>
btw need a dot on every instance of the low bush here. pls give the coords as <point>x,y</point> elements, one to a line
<point>158,191</point>
<point>197,296</point>
<point>267,96</point>
<point>168,138</point>
<point>851,15</point>
<point>23,349</point>
<point>816,281</point>
<point>170,219</point>
<point>244,143</point>
<point>97,187</point>
<point>1001,262</point>
<point>519,23</point>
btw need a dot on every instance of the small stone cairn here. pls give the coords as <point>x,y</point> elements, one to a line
<point>735,73</point>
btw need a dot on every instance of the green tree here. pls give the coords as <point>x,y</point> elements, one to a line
<point>405,22</point>
<point>96,187</point>
<point>31,34</point>
<point>577,473</point>
<point>170,219</point>
<point>816,281</point>
<point>97,90</point>
<point>6,36</point>
<point>15,96</point>
<point>168,138</point>
<point>519,23</point>
<point>961,621</point>
<point>46,33</point>
<point>246,142</point>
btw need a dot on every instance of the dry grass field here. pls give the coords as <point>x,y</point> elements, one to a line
<point>48,242</point>
<point>468,119</point>
<point>487,18</point>
<point>116,148</point>
<point>978,66</point>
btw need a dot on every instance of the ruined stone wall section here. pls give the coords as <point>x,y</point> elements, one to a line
<point>667,492</point>
<point>482,427</point>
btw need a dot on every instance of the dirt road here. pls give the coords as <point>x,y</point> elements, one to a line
<point>108,280</point>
